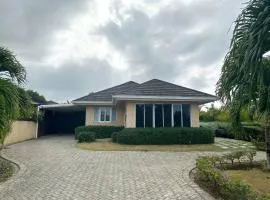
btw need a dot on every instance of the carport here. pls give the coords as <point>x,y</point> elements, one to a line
<point>60,119</point>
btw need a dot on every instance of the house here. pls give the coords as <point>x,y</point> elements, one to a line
<point>154,103</point>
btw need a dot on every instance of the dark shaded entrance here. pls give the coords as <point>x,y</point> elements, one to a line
<point>61,120</point>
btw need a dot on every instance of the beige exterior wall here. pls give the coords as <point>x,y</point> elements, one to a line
<point>194,114</point>
<point>21,131</point>
<point>126,114</point>
<point>120,116</point>
<point>130,115</point>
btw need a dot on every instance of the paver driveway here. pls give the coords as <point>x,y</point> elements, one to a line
<point>52,168</point>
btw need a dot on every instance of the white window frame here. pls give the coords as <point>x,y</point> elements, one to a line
<point>104,109</point>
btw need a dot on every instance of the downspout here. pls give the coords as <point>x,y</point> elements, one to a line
<point>37,122</point>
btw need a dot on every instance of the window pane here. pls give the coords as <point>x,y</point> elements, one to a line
<point>186,115</point>
<point>108,114</point>
<point>177,115</point>
<point>167,115</point>
<point>149,115</point>
<point>139,115</point>
<point>158,115</point>
<point>102,115</point>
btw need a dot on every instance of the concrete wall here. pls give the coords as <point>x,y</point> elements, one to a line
<point>120,116</point>
<point>21,131</point>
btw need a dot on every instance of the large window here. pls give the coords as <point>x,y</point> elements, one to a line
<point>148,115</point>
<point>162,115</point>
<point>140,115</point>
<point>186,115</point>
<point>158,115</point>
<point>177,115</point>
<point>105,114</point>
<point>167,112</point>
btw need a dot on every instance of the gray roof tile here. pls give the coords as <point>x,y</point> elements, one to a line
<point>153,87</point>
<point>106,95</point>
<point>157,87</point>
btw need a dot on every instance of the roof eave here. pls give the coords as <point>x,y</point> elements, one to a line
<point>85,103</point>
<point>198,99</point>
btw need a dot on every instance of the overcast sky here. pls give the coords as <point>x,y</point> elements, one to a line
<point>71,48</point>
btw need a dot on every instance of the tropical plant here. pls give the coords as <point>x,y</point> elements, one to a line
<point>245,76</point>
<point>12,74</point>
<point>36,97</point>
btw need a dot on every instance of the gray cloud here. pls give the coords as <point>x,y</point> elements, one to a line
<point>73,79</point>
<point>181,42</point>
<point>156,43</point>
<point>29,25</point>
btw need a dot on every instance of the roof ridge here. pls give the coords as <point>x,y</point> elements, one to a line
<point>116,86</point>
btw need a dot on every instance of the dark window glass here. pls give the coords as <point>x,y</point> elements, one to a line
<point>158,116</point>
<point>167,115</point>
<point>149,115</point>
<point>140,116</point>
<point>177,116</point>
<point>186,115</point>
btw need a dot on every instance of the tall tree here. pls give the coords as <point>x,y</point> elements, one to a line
<point>36,97</point>
<point>245,74</point>
<point>12,74</point>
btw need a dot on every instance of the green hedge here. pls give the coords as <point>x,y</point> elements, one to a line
<point>101,131</point>
<point>164,136</point>
<point>86,137</point>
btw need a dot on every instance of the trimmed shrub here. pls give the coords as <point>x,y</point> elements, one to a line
<point>101,131</point>
<point>211,174</point>
<point>86,137</point>
<point>164,136</point>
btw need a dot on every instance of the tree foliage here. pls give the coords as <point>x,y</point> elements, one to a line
<point>12,74</point>
<point>245,74</point>
<point>36,97</point>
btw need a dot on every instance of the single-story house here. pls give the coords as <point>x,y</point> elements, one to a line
<point>154,103</point>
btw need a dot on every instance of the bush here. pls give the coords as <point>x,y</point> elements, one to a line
<point>224,131</point>
<point>207,171</point>
<point>101,131</point>
<point>249,133</point>
<point>164,136</point>
<point>86,137</point>
<point>236,190</point>
<point>220,132</point>
<point>6,169</point>
<point>261,146</point>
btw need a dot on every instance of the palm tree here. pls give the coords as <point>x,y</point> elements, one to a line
<point>245,73</point>
<point>12,74</point>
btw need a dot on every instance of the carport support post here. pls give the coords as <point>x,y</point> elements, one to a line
<point>37,122</point>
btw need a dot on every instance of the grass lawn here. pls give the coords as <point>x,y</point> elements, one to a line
<point>259,180</point>
<point>108,145</point>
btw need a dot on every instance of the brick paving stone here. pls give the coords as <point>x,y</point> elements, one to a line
<point>52,168</point>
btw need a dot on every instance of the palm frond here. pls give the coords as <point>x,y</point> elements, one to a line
<point>244,70</point>
<point>10,66</point>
